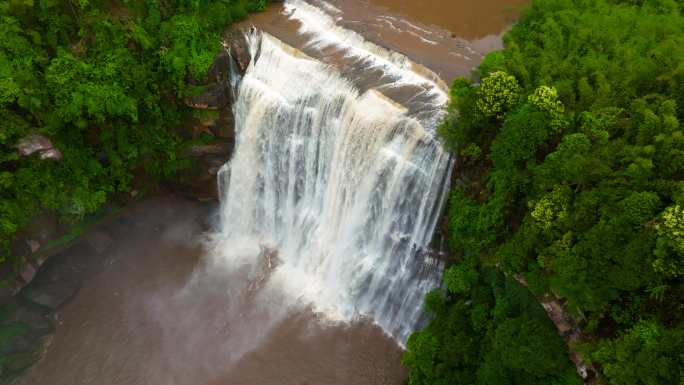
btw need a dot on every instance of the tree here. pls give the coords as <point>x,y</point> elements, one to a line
<point>669,250</point>
<point>422,350</point>
<point>579,117</point>
<point>498,95</point>
<point>646,354</point>
<point>460,278</point>
<point>545,99</point>
<point>488,329</point>
<point>522,134</point>
<point>527,344</point>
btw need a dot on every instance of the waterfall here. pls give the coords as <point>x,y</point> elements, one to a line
<point>336,183</point>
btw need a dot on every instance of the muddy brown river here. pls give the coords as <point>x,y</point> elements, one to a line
<point>420,29</point>
<point>141,317</point>
<point>155,309</point>
<point>471,20</point>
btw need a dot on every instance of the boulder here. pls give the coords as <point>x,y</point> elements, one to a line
<point>213,97</point>
<point>51,295</point>
<point>21,344</point>
<point>33,245</point>
<point>17,362</point>
<point>14,312</point>
<point>28,271</point>
<point>38,142</point>
<point>218,72</point>
<point>239,50</point>
<point>224,131</point>
<point>33,143</point>
<point>41,229</point>
<point>69,266</point>
<point>51,153</point>
<point>225,148</point>
<point>14,339</point>
<point>224,126</point>
<point>38,324</point>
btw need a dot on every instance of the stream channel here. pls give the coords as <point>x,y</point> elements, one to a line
<point>313,269</point>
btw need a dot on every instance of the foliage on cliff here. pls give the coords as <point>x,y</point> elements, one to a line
<point>489,329</point>
<point>578,126</point>
<point>102,81</point>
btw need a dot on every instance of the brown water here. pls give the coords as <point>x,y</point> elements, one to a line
<point>419,29</point>
<point>144,317</point>
<point>471,20</point>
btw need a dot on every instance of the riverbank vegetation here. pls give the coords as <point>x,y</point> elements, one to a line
<point>490,329</point>
<point>576,127</point>
<point>104,82</point>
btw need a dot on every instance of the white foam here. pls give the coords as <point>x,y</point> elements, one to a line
<point>344,184</point>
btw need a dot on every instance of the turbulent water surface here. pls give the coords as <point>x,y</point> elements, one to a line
<point>155,311</point>
<point>338,175</point>
<point>317,265</point>
<point>420,29</point>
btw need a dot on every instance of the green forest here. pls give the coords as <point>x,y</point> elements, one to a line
<point>573,142</point>
<point>104,81</point>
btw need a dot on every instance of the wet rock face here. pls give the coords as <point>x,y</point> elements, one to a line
<point>217,121</point>
<point>23,324</point>
<point>38,324</point>
<point>218,92</point>
<point>40,230</point>
<point>13,343</point>
<point>220,67</point>
<point>219,124</point>
<point>19,361</point>
<point>225,148</point>
<point>240,52</point>
<point>214,97</point>
<point>51,295</point>
<point>224,126</point>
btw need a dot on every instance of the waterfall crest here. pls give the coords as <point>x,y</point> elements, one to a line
<point>341,177</point>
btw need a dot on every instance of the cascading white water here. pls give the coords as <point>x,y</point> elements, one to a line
<point>343,183</point>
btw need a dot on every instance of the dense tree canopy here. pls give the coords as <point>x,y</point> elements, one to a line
<point>577,127</point>
<point>489,330</point>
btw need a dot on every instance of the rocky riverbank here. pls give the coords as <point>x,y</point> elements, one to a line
<point>27,319</point>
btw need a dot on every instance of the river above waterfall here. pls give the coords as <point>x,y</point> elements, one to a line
<point>471,20</point>
<point>420,29</point>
